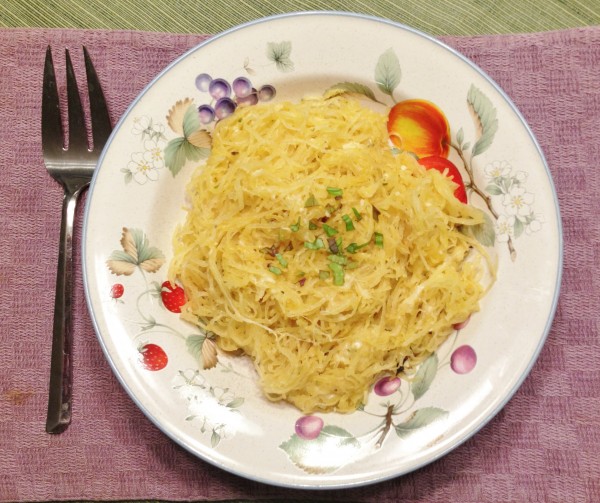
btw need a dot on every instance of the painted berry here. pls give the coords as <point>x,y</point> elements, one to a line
<point>173,296</point>
<point>153,357</point>
<point>387,385</point>
<point>463,359</point>
<point>116,291</point>
<point>309,427</point>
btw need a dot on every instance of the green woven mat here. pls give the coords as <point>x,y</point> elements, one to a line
<point>437,17</point>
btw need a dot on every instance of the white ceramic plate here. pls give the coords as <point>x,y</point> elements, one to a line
<point>219,414</point>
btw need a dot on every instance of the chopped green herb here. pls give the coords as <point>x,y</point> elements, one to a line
<point>351,265</point>
<point>338,273</point>
<point>334,191</point>
<point>311,201</point>
<point>338,259</point>
<point>275,270</point>
<point>295,227</point>
<point>348,222</point>
<point>323,274</point>
<point>330,231</point>
<point>378,239</point>
<point>312,226</point>
<point>354,247</point>
<point>357,215</point>
<point>281,260</point>
<point>317,244</point>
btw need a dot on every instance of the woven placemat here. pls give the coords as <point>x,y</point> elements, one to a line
<point>543,446</point>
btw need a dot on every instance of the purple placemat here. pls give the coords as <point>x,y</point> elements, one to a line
<point>543,446</point>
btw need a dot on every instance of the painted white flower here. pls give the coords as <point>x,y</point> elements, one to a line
<point>534,224</point>
<point>518,202</point>
<point>153,152</point>
<point>140,124</point>
<point>505,227</point>
<point>141,168</point>
<point>521,176</point>
<point>497,169</point>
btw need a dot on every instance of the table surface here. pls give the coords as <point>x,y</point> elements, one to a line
<point>437,17</point>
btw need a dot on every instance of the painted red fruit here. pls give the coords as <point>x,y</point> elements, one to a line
<point>463,359</point>
<point>173,296</point>
<point>448,168</point>
<point>153,357</point>
<point>117,290</point>
<point>309,427</point>
<point>387,385</point>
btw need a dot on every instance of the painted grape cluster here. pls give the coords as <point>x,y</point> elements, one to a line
<point>226,97</point>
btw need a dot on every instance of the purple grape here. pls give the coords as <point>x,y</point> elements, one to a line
<point>219,88</point>
<point>387,385</point>
<point>309,427</point>
<point>266,93</point>
<point>463,359</point>
<point>224,107</point>
<point>206,114</point>
<point>242,87</point>
<point>203,82</point>
<point>251,99</point>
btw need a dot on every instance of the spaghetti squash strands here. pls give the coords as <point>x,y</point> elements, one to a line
<point>323,256</point>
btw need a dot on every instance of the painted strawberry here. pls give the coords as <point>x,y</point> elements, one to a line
<point>117,290</point>
<point>153,357</point>
<point>173,296</point>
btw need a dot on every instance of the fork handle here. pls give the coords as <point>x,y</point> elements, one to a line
<point>59,396</point>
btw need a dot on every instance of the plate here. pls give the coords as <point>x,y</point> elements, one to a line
<point>136,201</point>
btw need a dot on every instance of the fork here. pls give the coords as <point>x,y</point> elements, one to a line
<point>73,167</point>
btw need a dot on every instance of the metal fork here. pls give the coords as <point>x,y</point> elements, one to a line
<point>73,167</point>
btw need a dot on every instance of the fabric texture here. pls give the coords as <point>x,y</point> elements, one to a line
<point>459,17</point>
<point>543,446</point>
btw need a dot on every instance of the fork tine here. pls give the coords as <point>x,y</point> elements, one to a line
<point>52,132</point>
<point>77,132</point>
<point>101,126</point>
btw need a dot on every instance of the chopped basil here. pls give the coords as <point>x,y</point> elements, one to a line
<point>295,227</point>
<point>338,259</point>
<point>330,231</point>
<point>348,222</point>
<point>334,191</point>
<point>379,239</point>
<point>354,247</point>
<point>338,273</point>
<point>312,226</point>
<point>275,270</point>
<point>311,201</point>
<point>281,260</point>
<point>357,215</point>
<point>317,244</point>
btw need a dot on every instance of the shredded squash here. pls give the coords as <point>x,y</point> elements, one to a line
<point>320,253</point>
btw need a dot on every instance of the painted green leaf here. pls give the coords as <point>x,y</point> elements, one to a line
<point>142,245</point>
<point>493,189</point>
<point>215,438</point>
<point>121,256</point>
<point>353,88</point>
<point>460,136</point>
<point>419,419</point>
<point>191,121</point>
<point>424,376</point>
<point>518,228</point>
<point>235,403</point>
<point>486,119</point>
<point>280,54</point>
<point>308,454</point>
<point>179,150</point>
<point>485,232</point>
<point>194,345</point>
<point>387,72</point>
